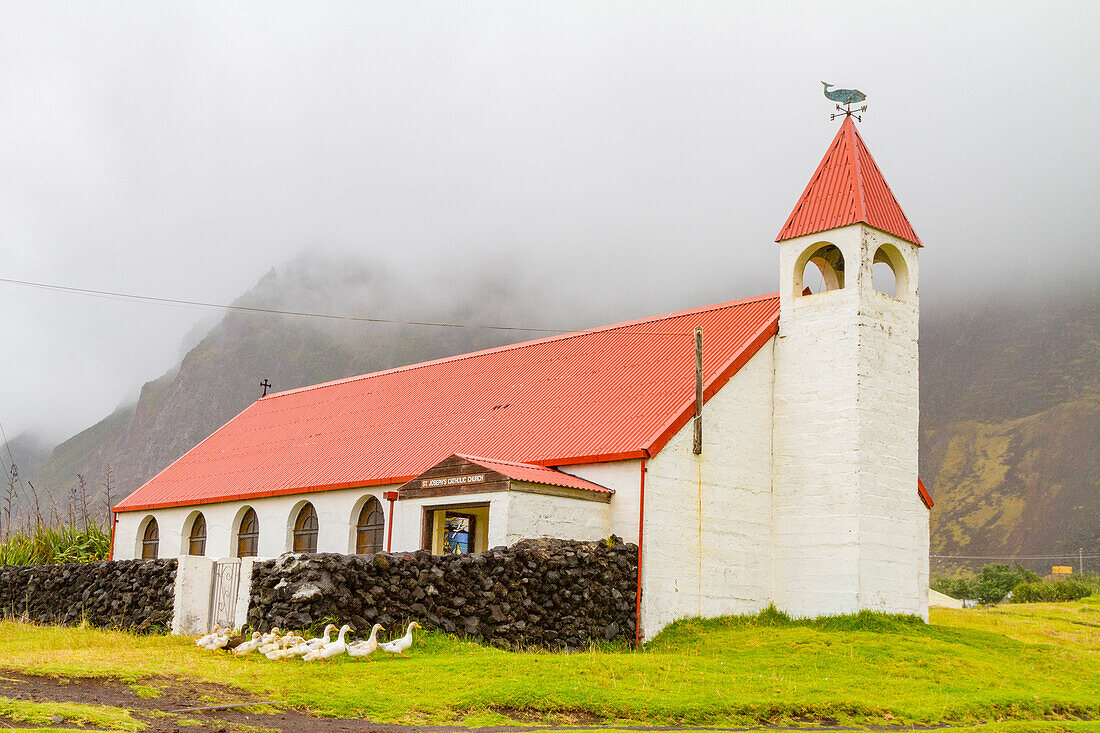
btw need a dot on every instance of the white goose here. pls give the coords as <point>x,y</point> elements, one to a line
<point>307,646</point>
<point>249,646</point>
<point>330,651</point>
<point>218,641</point>
<point>274,643</point>
<point>282,652</point>
<point>204,640</point>
<point>398,646</point>
<point>363,649</point>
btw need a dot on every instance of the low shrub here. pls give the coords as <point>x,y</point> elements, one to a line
<point>957,586</point>
<point>1050,591</point>
<point>991,585</point>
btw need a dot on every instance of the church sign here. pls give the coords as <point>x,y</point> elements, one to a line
<point>431,483</point>
<point>454,476</point>
<point>458,475</point>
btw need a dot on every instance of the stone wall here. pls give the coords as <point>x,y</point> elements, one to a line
<point>125,594</point>
<point>545,593</point>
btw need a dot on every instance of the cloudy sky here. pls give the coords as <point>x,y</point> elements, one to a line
<point>612,151</point>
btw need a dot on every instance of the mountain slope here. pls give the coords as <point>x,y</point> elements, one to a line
<point>1010,428</point>
<point>220,376</point>
<point>1019,487</point>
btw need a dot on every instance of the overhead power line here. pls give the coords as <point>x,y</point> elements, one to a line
<point>255,310</point>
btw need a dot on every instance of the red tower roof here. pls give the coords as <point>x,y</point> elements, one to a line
<point>847,188</point>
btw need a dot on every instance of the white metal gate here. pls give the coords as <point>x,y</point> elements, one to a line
<point>223,593</point>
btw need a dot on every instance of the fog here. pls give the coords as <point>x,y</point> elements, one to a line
<point>617,158</point>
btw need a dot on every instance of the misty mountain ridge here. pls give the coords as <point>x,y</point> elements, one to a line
<point>1010,394</point>
<point>219,377</point>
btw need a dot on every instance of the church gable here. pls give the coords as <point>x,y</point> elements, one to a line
<point>459,475</point>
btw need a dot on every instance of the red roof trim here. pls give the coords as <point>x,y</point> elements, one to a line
<point>924,495</point>
<point>264,494</point>
<point>687,411</point>
<point>595,458</point>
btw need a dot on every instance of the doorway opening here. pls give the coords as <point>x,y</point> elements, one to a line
<point>456,529</point>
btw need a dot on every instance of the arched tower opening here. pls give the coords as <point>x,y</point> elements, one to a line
<point>889,273</point>
<point>820,268</point>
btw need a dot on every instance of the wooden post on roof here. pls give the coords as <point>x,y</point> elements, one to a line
<point>697,444</point>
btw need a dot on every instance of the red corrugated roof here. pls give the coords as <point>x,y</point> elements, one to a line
<point>847,188</point>
<point>608,394</point>
<point>534,474</point>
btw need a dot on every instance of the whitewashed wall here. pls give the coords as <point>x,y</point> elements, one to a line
<point>337,513</point>
<point>409,514</point>
<point>707,545</point>
<point>893,568</point>
<point>624,478</point>
<point>532,515</point>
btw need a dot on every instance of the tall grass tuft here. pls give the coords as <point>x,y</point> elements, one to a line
<point>56,545</point>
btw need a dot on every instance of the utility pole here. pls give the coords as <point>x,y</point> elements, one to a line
<point>697,443</point>
<point>1081,560</point>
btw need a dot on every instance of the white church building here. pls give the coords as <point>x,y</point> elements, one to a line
<point>803,490</point>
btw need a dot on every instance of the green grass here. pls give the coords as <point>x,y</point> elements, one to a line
<point>43,713</point>
<point>145,692</point>
<point>1012,726</point>
<point>1025,662</point>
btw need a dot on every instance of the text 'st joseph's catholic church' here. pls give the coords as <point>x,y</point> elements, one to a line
<point>805,492</point>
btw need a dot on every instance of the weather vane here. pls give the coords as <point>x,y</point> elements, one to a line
<point>847,97</point>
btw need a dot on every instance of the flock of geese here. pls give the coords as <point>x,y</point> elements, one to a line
<point>276,646</point>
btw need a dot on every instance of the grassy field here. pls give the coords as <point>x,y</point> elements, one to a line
<point>1019,667</point>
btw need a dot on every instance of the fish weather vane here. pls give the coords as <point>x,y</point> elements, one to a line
<point>847,97</point>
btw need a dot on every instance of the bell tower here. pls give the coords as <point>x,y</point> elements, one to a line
<point>850,530</point>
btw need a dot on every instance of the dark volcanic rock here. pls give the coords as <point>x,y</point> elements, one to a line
<point>544,593</point>
<point>124,594</point>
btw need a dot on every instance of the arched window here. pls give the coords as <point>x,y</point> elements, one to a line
<point>305,530</point>
<point>248,535</point>
<point>826,273</point>
<point>196,539</point>
<point>369,528</point>
<point>150,540</point>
